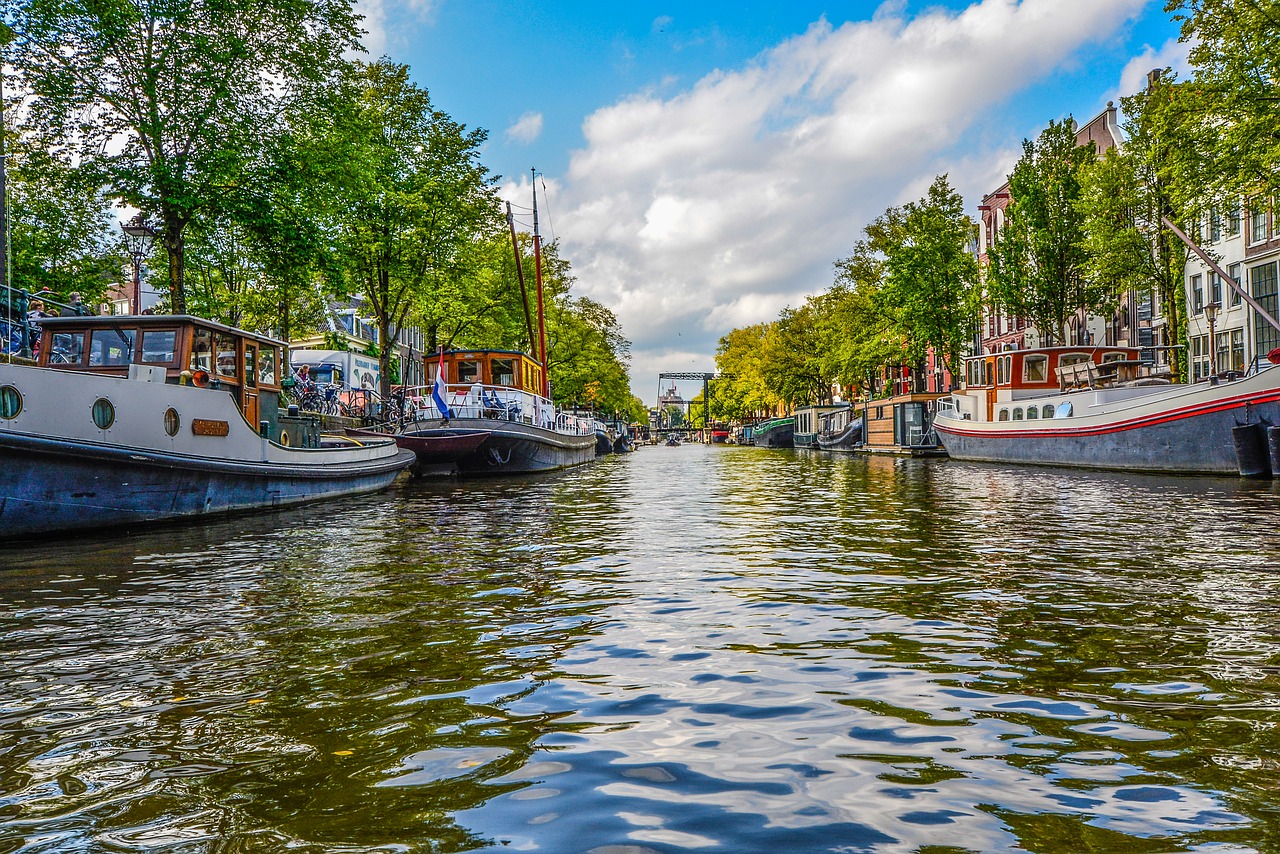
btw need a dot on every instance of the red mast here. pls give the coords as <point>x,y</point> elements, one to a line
<point>537,277</point>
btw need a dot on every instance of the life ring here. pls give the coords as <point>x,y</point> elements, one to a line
<point>200,379</point>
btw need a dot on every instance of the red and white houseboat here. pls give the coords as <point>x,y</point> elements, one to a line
<point>1099,407</point>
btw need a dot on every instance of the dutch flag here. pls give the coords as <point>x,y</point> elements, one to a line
<point>438,389</point>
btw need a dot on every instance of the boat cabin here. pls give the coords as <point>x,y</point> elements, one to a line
<point>998,385</point>
<point>184,348</point>
<point>501,368</point>
<point>901,424</point>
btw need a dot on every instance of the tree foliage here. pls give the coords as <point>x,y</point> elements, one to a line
<point>1231,107</point>
<point>61,229</point>
<point>1038,263</point>
<point>931,276</point>
<point>162,99</point>
<point>414,199</point>
<point>1125,196</point>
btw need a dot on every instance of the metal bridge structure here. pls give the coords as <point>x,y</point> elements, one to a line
<point>693,375</point>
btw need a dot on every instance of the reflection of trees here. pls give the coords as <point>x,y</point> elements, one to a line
<point>359,678</point>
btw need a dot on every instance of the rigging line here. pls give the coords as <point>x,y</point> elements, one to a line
<point>546,200</point>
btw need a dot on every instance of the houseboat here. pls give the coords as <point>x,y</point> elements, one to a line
<point>499,392</point>
<point>901,424</point>
<point>809,422</point>
<point>131,419</point>
<point>775,433</point>
<point>1102,407</point>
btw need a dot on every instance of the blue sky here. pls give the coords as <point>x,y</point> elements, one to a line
<point>705,164</point>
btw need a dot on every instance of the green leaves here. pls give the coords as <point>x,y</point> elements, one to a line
<point>1038,264</point>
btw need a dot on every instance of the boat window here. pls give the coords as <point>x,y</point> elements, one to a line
<point>67,348</point>
<point>267,365</point>
<point>201,348</point>
<point>1004,415</point>
<point>250,365</point>
<point>1035,369</point>
<point>157,346</point>
<point>1073,359</point>
<point>172,421</point>
<point>1017,413</point>
<point>468,371</point>
<point>1063,410</point>
<point>1032,413</point>
<point>10,402</point>
<point>1047,411</point>
<point>225,346</point>
<point>104,414</point>
<point>111,347</point>
<point>1114,357</point>
<point>504,372</point>
<point>999,371</point>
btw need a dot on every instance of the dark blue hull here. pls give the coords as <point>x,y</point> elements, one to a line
<point>53,485</point>
<point>1195,444</point>
<point>515,448</point>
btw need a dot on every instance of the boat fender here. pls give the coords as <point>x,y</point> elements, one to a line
<point>1273,448</point>
<point>1252,458</point>
<point>200,378</point>
<point>184,378</point>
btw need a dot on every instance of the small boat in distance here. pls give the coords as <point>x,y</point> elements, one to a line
<point>1101,407</point>
<point>128,419</point>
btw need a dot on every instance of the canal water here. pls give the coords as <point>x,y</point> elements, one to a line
<point>682,650</point>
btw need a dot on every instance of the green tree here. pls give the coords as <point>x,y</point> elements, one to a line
<point>1230,107</point>
<point>62,233</point>
<point>162,99</point>
<point>931,277</point>
<point>587,356</point>
<point>793,366</point>
<point>1124,197</point>
<point>1038,263</point>
<point>742,391</point>
<point>861,333</point>
<point>415,198</point>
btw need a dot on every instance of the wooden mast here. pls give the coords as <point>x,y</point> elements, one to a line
<point>524,293</point>
<point>537,276</point>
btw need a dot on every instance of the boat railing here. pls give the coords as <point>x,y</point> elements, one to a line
<point>500,403</point>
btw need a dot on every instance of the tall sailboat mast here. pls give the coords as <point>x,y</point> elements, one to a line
<point>537,277</point>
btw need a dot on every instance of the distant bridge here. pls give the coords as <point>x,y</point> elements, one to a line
<point>706,387</point>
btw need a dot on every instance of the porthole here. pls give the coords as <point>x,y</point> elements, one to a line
<point>172,421</point>
<point>284,438</point>
<point>104,414</point>
<point>10,402</point>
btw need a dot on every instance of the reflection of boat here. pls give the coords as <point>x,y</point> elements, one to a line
<point>813,419</point>
<point>604,441</point>
<point>845,438</point>
<point>437,451</point>
<point>107,430</point>
<point>778,433</point>
<point>495,392</point>
<point>1095,407</point>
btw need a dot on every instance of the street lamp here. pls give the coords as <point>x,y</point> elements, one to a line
<point>1211,314</point>
<point>139,237</point>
